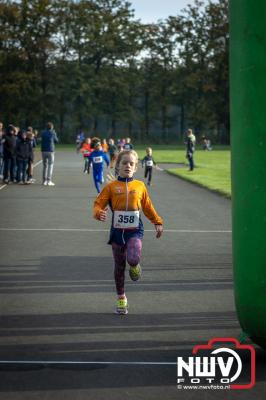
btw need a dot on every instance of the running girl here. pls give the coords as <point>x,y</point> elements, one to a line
<point>149,162</point>
<point>86,151</point>
<point>97,159</point>
<point>126,198</point>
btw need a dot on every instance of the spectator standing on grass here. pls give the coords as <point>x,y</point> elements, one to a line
<point>49,138</point>
<point>190,143</point>
<point>206,144</point>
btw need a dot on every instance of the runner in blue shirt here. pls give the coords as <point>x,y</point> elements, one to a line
<point>97,159</point>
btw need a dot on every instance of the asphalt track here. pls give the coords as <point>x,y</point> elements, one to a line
<point>57,292</point>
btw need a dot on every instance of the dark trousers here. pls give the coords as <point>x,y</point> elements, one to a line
<point>148,173</point>
<point>1,164</point>
<point>191,161</point>
<point>86,165</point>
<point>21,171</point>
<point>9,167</point>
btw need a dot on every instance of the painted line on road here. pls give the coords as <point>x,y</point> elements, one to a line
<point>42,362</point>
<point>108,230</point>
<point>153,284</point>
<point>34,165</point>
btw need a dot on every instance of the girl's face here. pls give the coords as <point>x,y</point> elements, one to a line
<point>127,166</point>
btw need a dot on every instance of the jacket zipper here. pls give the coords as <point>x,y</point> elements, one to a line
<point>126,210</point>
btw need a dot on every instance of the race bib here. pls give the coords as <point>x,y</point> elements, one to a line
<point>126,219</point>
<point>149,163</point>
<point>97,160</point>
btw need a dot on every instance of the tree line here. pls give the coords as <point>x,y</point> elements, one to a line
<point>91,65</point>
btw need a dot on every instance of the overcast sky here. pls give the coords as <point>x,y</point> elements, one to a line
<point>152,10</point>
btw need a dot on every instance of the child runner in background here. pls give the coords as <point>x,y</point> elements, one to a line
<point>113,151</point>
<point>148,162</point>
<point>104,146</point>
<point>79,140</point>
<point>86,151</point>
<point>128,145</point>
<point>97,159</point>
<point>126,197</point>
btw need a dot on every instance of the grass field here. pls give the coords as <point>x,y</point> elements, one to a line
<point>212,167</point>
<point>212,171</point>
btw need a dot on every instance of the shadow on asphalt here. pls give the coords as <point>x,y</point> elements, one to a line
<point>92,275</point>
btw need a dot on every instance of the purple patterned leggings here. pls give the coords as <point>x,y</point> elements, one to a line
<point>131,253</point>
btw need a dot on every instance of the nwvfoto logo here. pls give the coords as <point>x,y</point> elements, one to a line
<point>217,363</point>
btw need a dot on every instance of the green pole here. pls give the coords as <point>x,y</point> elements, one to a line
<point>248,139</point>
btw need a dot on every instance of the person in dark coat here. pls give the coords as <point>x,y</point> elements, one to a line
<point>9,154</point>
<point>23,153</point>
<point>190,142</point>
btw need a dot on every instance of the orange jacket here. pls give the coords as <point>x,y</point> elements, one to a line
<point>86,148</point>
<point>130,195</point>
<point>105,147</point>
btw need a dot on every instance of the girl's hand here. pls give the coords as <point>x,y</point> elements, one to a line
<point>103,215</point>
<point>159,231</point>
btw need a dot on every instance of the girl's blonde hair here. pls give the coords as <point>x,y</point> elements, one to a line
<point>124,153</point>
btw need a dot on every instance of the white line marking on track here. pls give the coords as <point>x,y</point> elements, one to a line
<point>39,162</point>
<point>111,285</point>
<point>107,230</point>
<point>34,165</point>
<point>40,362</point>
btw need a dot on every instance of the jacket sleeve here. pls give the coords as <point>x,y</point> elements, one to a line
<point>56,140</point>
<point>106,159</point>
<point>149,210</point>
<point>101,201</point>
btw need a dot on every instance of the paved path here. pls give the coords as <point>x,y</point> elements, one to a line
<point>57,292</point>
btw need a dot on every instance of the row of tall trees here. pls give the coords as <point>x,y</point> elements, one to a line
<point>92,65</point>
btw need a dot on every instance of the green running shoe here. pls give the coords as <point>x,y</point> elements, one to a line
<point>121,306</point>
<point>135,272</point>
